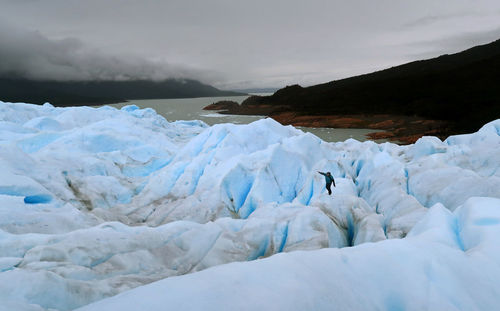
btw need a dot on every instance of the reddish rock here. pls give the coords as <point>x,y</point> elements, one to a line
<point>411,139</point>
<point>380,135</point>
<point>398,128</point>
<point>382,125</point>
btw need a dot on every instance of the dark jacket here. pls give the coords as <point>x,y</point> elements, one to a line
<point>328,178</point>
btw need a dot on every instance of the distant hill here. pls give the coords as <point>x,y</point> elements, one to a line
<point>257,90</point>
<point>462,88</point>
<point>76,93</point>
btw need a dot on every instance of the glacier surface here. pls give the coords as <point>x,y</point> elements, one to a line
<point>100,202</point>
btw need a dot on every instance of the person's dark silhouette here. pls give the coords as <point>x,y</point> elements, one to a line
<point>329,180</point>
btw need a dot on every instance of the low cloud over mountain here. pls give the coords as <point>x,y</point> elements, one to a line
<point>31,55</point>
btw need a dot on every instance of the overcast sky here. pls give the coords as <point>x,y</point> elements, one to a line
<point>232,43</point>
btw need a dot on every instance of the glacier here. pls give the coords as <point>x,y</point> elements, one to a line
<point>109,209</point>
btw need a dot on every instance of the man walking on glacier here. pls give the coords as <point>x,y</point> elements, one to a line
<point>329,180</point>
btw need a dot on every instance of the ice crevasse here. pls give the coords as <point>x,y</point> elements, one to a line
<point>95,202</point>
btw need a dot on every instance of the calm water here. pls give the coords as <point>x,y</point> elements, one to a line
<point>192,109</point>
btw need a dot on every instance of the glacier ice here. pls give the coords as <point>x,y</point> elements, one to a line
<point>436,267</point>
<point>95,202</point>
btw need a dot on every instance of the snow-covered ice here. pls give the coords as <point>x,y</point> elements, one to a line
<point>95,202</point>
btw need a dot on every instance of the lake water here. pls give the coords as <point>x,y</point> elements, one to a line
<point>192,109</point>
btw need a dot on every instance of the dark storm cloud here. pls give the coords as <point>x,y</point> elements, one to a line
<point>257,43</point>
<point>28,54</point>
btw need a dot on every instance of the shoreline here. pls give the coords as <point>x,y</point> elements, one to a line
<point>399,129</point>
<point>396,128</point>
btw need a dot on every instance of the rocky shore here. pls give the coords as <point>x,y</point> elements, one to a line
<point>397,128</point>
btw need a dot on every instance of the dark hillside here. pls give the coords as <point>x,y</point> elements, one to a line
<point>462,88</point>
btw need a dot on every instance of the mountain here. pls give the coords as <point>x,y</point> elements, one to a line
<point>461,89</point>
<point>77,93</point>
